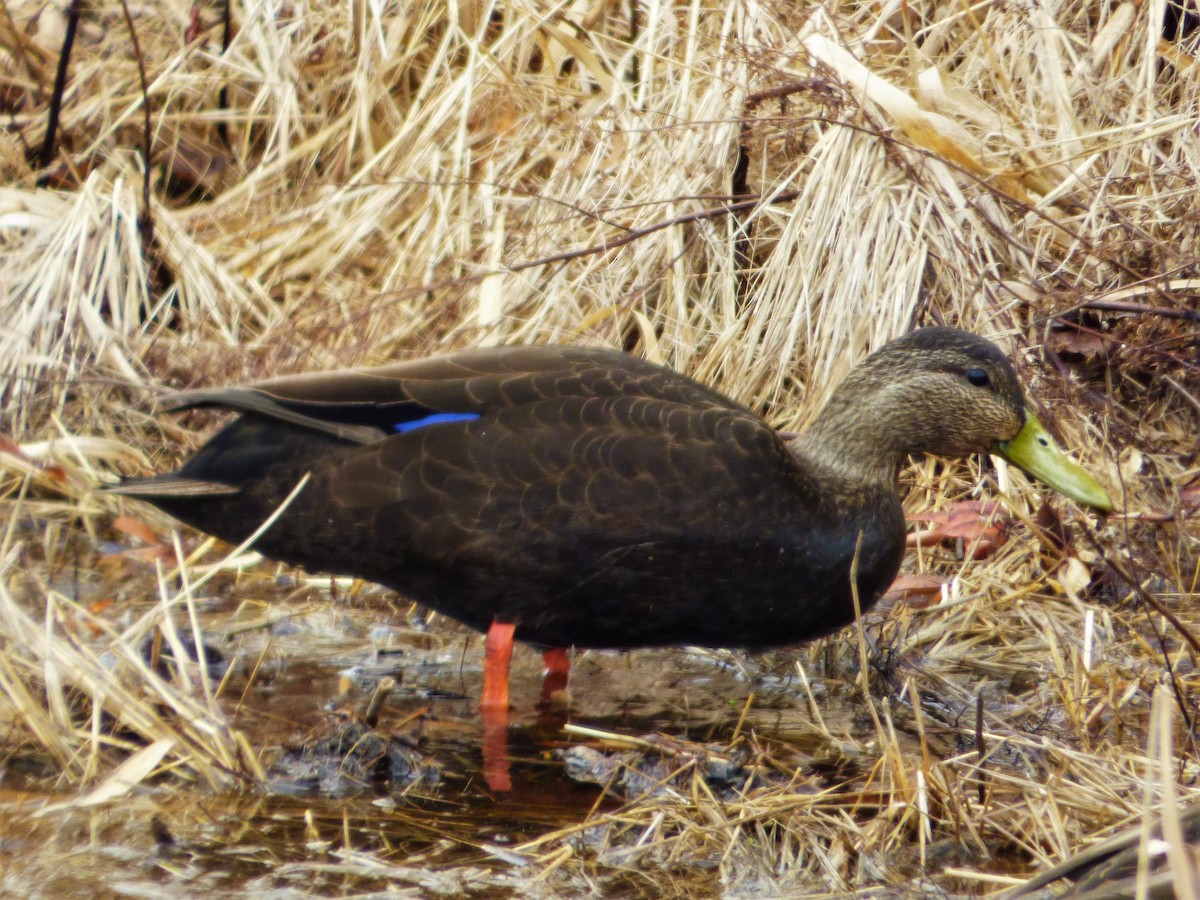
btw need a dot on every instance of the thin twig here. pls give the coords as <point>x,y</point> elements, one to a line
<point>1189,315</point>
<point>146,220</point>
<point>223,96</point>
<point>56,96</point>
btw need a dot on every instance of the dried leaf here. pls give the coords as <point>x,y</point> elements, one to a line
<point>918,591</point>
<point>123,778</point>
<point>9,446</point>
<point>1189,495</point>
<point>136,528</point>
<point>976,523</point>
<point>1073,577</point>
<point>1132,463</point>
<point>1079,342</point>
<point>1051,527</point>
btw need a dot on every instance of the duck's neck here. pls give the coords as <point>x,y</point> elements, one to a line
<point>865,431</point>
<point>831,456</point>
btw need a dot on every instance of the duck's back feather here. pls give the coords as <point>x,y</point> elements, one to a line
<point>470,381</point>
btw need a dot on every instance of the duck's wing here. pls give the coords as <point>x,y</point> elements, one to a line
<point>562,438</point>
<point>453,450</point>
<point>365,404</point>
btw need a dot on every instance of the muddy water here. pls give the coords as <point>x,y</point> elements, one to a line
<point>302,661</point>
<point>299,660</point>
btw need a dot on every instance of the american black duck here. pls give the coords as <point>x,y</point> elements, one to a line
<point>588,498</point>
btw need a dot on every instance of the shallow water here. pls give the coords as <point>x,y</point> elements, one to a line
<point>453,837</point>
<point>295,662</point>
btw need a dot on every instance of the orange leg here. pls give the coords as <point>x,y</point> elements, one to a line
<point>497,655</point>
<point>557,661</point>
<point>558,670</point>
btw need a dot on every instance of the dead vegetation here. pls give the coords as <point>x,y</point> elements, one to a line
<point>754,193</point>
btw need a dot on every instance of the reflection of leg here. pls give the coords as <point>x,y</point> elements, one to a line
<point>558,671</point>
<point>493,705</point>
<point>495,748</point>
<point>497,656</point>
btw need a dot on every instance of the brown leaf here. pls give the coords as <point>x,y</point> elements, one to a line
<point>974,522</point>
<point>1071,341</point>
<point>919,591</point>
<point>962,510</point>
<point>197,163</point>
<point>55,472</point>
<point>1189,495</point>
<point>136,528</point>
<point>195,26</point>
<point>7,445</point>
<point>1052,528</point>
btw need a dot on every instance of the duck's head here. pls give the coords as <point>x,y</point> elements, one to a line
<point>947,392</point>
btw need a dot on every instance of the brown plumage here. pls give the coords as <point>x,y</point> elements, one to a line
<point>592,498</point>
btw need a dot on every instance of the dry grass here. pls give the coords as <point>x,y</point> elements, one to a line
<point>359,182</point>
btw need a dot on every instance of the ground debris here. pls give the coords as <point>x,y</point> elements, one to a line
<point>663,767</point>
<point>350,754</point>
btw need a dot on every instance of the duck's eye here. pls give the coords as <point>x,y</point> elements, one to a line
<point>977,377</point>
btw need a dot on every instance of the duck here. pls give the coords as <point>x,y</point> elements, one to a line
<point>567,496</point>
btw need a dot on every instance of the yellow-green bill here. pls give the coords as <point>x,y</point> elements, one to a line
<point>1034,451</point>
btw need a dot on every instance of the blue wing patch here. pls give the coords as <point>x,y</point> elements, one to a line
<point>433,419</point>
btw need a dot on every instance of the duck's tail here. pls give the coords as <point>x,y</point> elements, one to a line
<point>171,487</point>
